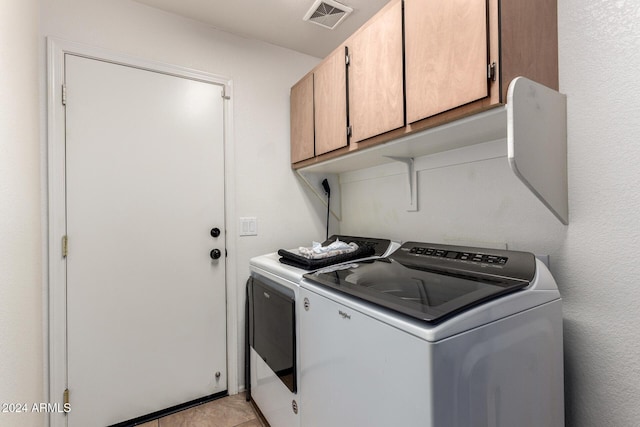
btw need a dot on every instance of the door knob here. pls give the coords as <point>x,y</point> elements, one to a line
<point>215,232</point>
<point>215,254</point>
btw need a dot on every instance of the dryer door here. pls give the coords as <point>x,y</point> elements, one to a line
<point>272,328</point>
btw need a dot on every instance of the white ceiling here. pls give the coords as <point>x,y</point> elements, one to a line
<point>278,22</point>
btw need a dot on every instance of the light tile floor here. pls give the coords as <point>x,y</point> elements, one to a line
<point>231,411</point>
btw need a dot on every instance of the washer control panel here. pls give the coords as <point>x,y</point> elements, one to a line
<point>468,261</point>
<point>462,256</point>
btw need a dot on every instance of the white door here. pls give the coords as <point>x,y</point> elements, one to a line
<point>145,186</point>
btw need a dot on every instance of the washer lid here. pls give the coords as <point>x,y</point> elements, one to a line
<point>431,287</point>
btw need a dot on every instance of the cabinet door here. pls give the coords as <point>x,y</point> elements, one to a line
<point>302,132</point>
<point>375,75</point>
<point>446,55</point>
<point>330,99</point>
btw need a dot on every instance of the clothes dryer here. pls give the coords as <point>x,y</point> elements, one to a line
<point>272,352</point>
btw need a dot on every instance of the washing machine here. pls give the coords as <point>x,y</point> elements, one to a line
<point>272,335</point>
<point>432,336</point>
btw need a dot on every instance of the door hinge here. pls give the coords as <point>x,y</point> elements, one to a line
<point>349,130</point>
<point>491,71</point>
<point>65,246</point>
<point>224,93</point>
<point>65,397</point>
<point>64,94</point>
<point>347,59</point>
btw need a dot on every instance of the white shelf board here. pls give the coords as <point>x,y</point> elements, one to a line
<point>533,124</point>
<point>537,142</point>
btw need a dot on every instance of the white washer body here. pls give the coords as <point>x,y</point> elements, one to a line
<point>498,364</point>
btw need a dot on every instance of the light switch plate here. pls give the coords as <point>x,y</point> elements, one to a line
<point>248,226</point>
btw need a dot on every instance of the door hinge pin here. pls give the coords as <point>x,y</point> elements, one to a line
<point>349,130</point>
<point>65,246</point>
<point>347,59</point>
<point>65,397</point>
<point>64,95</point>
<point>491,71</point>
<point>224,93</point>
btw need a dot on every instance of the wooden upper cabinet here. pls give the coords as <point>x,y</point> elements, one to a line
<point>302,127</point>
<point>376,98</point>
<point>459,58</point>
<point>330,98</point>
<point>529,42</point>
<point>445,55</point>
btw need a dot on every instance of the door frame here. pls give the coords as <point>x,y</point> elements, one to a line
<point>56,371</point>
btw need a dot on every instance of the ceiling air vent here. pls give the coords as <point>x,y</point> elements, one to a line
<point>327,13</point>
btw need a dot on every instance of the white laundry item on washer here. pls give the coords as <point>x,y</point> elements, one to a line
<point>317,251</point>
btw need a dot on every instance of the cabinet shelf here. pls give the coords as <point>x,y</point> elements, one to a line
<point>533,123</point>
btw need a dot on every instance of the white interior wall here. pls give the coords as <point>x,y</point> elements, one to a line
<point>475,203</point>
<point>21,296</point>
<point>598,271</point>
<point>262,74</point>
<point>593,258</point>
